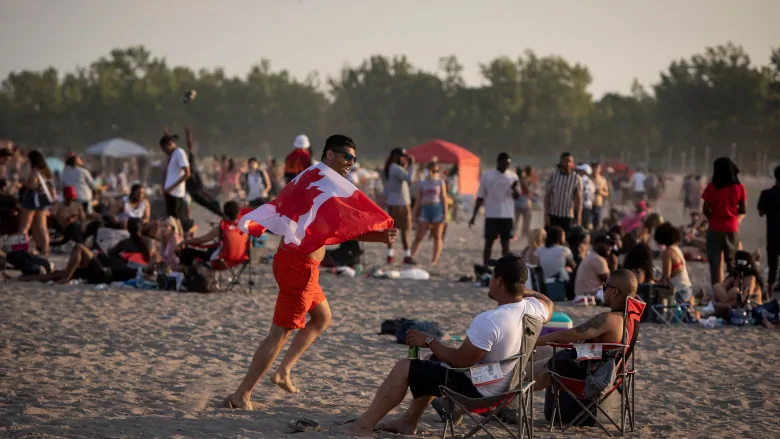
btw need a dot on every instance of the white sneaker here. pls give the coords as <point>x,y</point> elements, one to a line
<point>581,300</point>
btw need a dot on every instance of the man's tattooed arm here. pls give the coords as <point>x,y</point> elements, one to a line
<point>595,322</point>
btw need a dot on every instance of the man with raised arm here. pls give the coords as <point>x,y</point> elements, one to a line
<point>319,207</point>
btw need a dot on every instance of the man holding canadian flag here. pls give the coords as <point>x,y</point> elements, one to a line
<point>319,207</point>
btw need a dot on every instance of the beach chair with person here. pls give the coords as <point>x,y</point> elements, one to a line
<point>223,249</point>
<point>616,373</point>
<point>519,394</point>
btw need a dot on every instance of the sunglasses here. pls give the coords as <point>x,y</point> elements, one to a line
<point>605,286</point>
<point>347,156</point>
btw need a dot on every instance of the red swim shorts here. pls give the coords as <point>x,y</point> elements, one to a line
<point>298,278</point>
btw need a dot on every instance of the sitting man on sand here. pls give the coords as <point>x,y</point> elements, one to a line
<point>606,327</point>
<point>493,336</point>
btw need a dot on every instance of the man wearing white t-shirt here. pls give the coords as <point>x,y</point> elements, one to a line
<point>176,174</point>
<point>493,336</point>
<point>498,190</point>
<point>638,185</point>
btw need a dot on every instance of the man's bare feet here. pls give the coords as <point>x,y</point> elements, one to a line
<point>241,404</point>
<point>283,381</point>
<point>398,425</point>
<point>353,430</point>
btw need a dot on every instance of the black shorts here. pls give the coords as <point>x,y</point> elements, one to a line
<point>426,376</point>
<point>95,273</point>
<point>175,207</point>
<point>562,222</point>
<point>499,227</point>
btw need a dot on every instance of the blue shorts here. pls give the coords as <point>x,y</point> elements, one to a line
<point>431,213</point>
<point>683,295</point>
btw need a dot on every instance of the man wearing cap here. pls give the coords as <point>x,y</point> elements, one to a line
<point>174,181</point>
<point>492,336</point>
<point>397,176</point>
<point>498,190</point>
<point>588,193</point>
<point>299,159</point>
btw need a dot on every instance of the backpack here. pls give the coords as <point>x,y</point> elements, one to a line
<point>201,279</point>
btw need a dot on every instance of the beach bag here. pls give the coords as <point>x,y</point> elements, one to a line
<point>738,316</point>
<point>201,279</point>
<point>431,328</point>
<point>17,243</point>
<point>390,327</point>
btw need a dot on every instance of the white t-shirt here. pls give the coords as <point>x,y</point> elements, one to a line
<point>500,333</point>
<point>638,181</point>
<point>176,164</point>
<point>255,184</point>
<point>495,188</point>
<point>553,260</point>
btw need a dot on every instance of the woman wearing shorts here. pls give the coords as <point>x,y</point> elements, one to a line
<point>38,196</point>
<point>430,210</point>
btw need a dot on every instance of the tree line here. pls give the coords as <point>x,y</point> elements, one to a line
<point>530,105</point>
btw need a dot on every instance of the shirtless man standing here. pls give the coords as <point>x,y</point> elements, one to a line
<point>606,327</point>
<point>297,275</point>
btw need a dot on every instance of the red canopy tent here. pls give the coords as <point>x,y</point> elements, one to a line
<point>446,152</point>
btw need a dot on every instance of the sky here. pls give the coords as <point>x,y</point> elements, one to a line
<point>618,40</point>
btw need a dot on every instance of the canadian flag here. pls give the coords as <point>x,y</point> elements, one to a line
<point>319,207</point>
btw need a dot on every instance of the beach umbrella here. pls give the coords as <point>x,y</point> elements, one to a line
<point>117,148</point>
<point>55,164</point>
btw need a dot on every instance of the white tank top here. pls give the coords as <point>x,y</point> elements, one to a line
<point>130,212</point>
<point>681,280</point>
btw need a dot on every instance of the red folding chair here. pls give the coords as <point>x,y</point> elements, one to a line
<point>234,253</point>
<point>623,383</point>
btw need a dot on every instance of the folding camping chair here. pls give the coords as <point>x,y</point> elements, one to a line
<point>234,256</point>
<point>490,406</point>
<point>623,383</point>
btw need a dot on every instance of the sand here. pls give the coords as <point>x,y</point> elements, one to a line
<point>76,361</point>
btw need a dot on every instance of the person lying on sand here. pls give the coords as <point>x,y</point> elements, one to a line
<point>297,275</point>
<point>606,327</point>
<point>492,336</point>
<point>98,268</point>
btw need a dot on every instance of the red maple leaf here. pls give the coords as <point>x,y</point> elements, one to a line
<point>297,198</point>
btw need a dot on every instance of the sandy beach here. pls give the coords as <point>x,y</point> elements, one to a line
<point>79,362</point>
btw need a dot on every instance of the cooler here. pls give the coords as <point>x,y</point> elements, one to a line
<point>558,322</point>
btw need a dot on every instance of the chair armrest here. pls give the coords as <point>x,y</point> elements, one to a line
<point>574,345</point>
<point>467,369</point>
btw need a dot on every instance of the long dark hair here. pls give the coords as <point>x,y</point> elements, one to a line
<point>134,228</point>
<point>133,192</point>
<point>640,257</point>
<point>38,161</point>
<point>390,160</point>
<point>724,173</point>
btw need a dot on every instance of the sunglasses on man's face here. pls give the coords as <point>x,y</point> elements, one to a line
<point>605,286</point>
<point>347,156</point>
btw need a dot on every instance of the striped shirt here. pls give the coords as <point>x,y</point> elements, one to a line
<point>563,187</point>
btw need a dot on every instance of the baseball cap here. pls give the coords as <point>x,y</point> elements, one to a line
<point>399,151</point>
<point>585,168</point>
<point>69,193</point>
<point>603,239</point>
<point>168,138</point>
<point>511,268</point>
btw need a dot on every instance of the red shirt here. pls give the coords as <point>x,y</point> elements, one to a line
<point>724,204</point>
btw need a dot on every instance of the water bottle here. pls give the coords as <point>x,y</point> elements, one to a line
<point>139,278</point>
<point>358,270</point>
<point>678,314</point>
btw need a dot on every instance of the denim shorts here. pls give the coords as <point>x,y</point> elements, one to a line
<point>432,213</point>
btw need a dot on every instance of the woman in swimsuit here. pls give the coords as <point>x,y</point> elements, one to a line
<point>39,195</point>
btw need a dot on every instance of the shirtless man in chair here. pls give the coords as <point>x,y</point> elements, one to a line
<point>606,327</point>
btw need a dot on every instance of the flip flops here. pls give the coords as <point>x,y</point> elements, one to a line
<point>304,425</point>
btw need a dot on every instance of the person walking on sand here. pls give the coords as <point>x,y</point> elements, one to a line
<point>769,206</point>
<point>326,193</point>
<point>563,198</point>
<point>498,190</point>
<point>397,176</point>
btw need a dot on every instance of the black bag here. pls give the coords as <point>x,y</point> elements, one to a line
<point>390,327</point>
<point>201,279</point>
<point>427,327</point>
